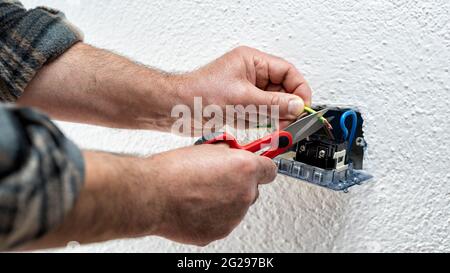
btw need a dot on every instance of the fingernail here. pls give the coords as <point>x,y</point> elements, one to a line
<point>295,106</point>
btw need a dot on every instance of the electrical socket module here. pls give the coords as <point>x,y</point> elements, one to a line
<point>330,158</point>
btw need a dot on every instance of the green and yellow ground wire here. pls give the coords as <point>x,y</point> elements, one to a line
<point>322,119</point>
<point>310,111</point>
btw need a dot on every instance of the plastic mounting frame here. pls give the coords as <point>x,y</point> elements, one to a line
<point>331,179</point>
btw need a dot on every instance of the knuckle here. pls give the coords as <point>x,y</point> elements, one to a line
<point>275,100</point>
<point>261,64</point>
<point>290,65</point>
<point>242,48</point>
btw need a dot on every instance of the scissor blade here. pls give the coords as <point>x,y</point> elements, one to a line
<point>306,126</point>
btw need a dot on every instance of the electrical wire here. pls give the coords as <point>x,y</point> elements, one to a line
<point>322,119</point>
<point>345,130</point>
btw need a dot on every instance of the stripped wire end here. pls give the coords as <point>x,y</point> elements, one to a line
<point>322,119</point>
<point>328,129</point>
<point>327,124</point>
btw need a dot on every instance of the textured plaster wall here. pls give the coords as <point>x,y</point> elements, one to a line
<point>390,58</point>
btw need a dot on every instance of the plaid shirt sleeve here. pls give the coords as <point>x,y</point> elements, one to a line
<point>28,39</point>
<point>41,174</point>
<point>41,171</point>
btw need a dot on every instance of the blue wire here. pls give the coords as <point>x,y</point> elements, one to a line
<point>345,130</point>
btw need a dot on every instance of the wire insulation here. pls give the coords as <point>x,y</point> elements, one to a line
<point>322,119</point>
<point>345,130</point>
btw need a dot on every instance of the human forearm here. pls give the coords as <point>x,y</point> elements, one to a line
<point>111,205</point>
<point>86,84</point>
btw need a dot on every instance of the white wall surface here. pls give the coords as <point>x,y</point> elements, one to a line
<point>389,58</point>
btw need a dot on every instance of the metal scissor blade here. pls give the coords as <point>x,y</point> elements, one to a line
<point>306,126</point>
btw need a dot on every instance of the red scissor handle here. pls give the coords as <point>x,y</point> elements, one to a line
<point>278,142</point>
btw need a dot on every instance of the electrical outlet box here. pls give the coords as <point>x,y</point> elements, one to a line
<point>330,158</point>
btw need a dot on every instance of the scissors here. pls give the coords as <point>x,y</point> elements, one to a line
<point>277,142</point>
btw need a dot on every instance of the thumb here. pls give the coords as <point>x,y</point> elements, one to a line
<point>290,106</point>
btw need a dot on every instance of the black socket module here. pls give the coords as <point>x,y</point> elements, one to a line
<point>319,149</point>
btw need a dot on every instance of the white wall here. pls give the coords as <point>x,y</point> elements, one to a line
<point>390,58</point>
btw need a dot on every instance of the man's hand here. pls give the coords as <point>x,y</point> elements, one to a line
<point>247,76</point>
<point>90,85</point>
<point>207,190</point>
<point>192,195</point>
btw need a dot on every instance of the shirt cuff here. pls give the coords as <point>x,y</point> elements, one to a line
<point>31,39</point>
